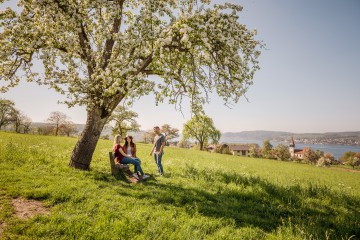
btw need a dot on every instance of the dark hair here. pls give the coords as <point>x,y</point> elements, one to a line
<point>157,127</point>
<point>132,144</point>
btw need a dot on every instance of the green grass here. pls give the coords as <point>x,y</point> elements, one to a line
<point>202,196</point>
<point>348,167</point>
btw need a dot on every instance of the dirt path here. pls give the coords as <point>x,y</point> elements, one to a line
<point>25,209</point>
<point>345,169</point>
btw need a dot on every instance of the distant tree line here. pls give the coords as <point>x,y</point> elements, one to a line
<point>121,122</point>
<point>15,120</point>
<point>11,116</point>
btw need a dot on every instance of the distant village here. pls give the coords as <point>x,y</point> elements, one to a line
<point>329,140</point>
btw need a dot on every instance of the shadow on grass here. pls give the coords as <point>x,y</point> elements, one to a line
<point>108,177</point>
<point>249,201</point>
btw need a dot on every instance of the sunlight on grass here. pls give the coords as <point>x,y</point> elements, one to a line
<point>201,196</point>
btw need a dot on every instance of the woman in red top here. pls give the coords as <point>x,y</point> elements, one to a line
<point>123,158</point>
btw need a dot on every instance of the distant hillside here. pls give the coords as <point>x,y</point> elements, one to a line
<point>253,135</point>
<point>341,138</point>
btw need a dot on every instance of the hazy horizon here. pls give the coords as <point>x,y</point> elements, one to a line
<point>257,130</point>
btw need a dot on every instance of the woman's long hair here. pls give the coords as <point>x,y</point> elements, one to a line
<point>117,139</point>
<point>132,144</point>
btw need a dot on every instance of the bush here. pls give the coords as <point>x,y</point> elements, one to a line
<point>354,161</point>
<point>310,156</point>
<point>295,159</point>
<point>326,160</point>
<point>183,144</point>
<point>226,150</point>
<point>323,162</point>
<point>105,137</point>
<point>282,152</point>
<point>348,155</point>
<point>255,151</point>
<point>223,149</point>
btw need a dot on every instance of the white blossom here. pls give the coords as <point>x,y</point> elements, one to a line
<point>193,50</point>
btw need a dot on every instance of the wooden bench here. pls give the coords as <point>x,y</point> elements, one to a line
<point>122,170</point>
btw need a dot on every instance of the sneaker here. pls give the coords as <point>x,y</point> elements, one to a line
<point>136,176</point>
<point>145,176</point>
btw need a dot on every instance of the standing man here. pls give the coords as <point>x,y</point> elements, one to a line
<point>158,149</point>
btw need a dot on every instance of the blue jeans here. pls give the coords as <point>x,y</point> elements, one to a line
<point>134,161</point>
<point>158,158</point>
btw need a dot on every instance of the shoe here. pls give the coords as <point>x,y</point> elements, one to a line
<point>145,176</point>
<point>136,176</point>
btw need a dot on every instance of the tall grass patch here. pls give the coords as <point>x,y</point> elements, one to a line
<point>201,196</point>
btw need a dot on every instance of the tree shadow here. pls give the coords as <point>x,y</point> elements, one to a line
<point>119,176</point>
<point>261,204</point>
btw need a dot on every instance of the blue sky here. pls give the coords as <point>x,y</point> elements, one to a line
<point>309,79</point>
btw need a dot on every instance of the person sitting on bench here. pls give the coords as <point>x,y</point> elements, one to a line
<point>123,158</point>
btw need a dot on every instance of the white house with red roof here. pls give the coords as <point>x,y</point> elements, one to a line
<point>298,153</point>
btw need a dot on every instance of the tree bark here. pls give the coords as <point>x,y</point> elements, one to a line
<point>85,147</point>
<point>56,129</point>
<point>201,143</point>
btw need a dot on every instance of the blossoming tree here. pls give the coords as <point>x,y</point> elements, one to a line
<point>100,52</point>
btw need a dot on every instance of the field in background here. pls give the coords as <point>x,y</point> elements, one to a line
<point>202,196</point>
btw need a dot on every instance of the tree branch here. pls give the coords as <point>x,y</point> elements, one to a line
<point>109,44</point>
<point>145,63</point>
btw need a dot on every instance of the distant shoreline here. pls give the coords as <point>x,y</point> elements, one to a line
<point>329,138</point>
<point>274,141</point>
<point>336,149</point>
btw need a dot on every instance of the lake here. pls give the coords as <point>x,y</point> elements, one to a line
<point>336,150</point>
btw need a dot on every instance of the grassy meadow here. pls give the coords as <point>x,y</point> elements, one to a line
<point>201,196</point>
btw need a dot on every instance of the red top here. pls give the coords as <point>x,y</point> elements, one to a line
<point>118,155</point>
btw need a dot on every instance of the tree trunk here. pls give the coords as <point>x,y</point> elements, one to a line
<point>85,147</point>
<point>201,145</point>
<point>56,129</point>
